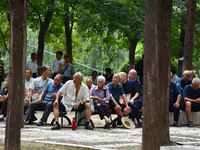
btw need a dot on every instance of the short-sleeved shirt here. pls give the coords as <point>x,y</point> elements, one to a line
<point>116,93</point>
<point>190,93</point>
<point>50,89</point>
<point>69,70</point>
<point>68,91</point>
<point>131,87</point>
<point>173,92</point>
<point>38,84</point>
<point>103,93</point>
<point>28,83</point>
<point>32,65</point>
<point>181,84</point>
<point>56,64</point>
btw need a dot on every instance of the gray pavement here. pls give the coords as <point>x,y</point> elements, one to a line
<point>105,139</point>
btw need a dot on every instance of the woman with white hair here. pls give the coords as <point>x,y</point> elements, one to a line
<point>100,95</point>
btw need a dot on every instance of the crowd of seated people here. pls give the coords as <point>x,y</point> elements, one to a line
<point>120,93</point>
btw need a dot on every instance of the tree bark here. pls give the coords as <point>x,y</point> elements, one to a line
<point>189,35</point>
<point>68,21</point>
<point>43,30</point>
<point>133,44</point>
<point>16,74</point>
<point>157,51</point>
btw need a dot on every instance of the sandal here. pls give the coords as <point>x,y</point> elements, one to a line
<point>190,124</point>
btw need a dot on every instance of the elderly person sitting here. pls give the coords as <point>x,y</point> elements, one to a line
<point>116,90</point>
<point>191,95</point>
<point>100,95</point>
<point>181,83</point>
<point>75,95</point>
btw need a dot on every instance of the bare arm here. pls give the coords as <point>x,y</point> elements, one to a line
<point>177,104</point>
<point>134,97</point>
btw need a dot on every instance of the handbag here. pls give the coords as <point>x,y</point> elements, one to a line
<point>35,96</point>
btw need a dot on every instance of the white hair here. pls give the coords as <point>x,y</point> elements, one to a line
<point>79,74</point>
<point>196,81</point>
<point>101,77</point>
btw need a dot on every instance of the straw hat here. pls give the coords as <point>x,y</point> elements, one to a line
<point>127,123</point>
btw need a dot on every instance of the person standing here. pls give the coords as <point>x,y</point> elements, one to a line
<point>56,63</point>
<point>32,65</point>
<point>66,69</point>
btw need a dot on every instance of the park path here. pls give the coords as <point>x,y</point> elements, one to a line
<point>104,139</point>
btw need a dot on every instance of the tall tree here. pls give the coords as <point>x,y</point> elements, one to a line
<point>189,35</point>
<point>44,25</point>
<point>157,50</point>
<point>18,14</point>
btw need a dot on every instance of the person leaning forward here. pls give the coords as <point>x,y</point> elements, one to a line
<point>75,95</point>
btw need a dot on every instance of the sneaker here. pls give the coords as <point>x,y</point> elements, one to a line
<point>190,124</point>
<point>176,125</point>
<point>28,122</point>
<point>40,123</point>
<point>56,127</point>
<point>107,125</point>
<point>89,127</point>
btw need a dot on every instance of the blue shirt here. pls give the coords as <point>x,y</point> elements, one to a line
<point>131,87</point>
<point>116,93</point>
<point>190,93</point>
<point>181,84</point>
<point>173,92</point>
<point>51,89</point>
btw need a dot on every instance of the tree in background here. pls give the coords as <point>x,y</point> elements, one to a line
<point>189,35</point>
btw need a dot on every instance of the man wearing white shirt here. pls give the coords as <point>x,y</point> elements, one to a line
<point>75,95</point>
<point>32,65</point>
<point>56,63</point>
<point>28,78</point>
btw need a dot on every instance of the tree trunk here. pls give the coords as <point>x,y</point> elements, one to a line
<point>16,74</point>
<point>68,32</point>
<point>157,51</point>
<point>133,44</point>
<point>189,35</point>
<point>43,30</point>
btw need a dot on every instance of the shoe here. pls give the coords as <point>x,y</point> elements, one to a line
<point>89,127</point>
<point>176,125</point>
<point>107,125</point>
<point>28,122</point>
<point>56,127</point>
<point>137,125</point>
<point>190,124</point>
<point>2,117</point>
<point>40,123</point>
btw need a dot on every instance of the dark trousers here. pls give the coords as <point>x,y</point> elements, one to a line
<point>103,110</point>
<point>134,111</point>
<point>25,105</point>
<point>34,106</point>
<point>176,111</point>
<point>138,102</point>
<point>4,108</point>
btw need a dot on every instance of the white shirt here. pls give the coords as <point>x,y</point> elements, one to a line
<point>68,91</point>
<point>32,65</point>
<point>174,79</point>
<point>56,64</point>
<point>28,83</point>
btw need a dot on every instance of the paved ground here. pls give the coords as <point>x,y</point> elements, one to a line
<point>115,138</point>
